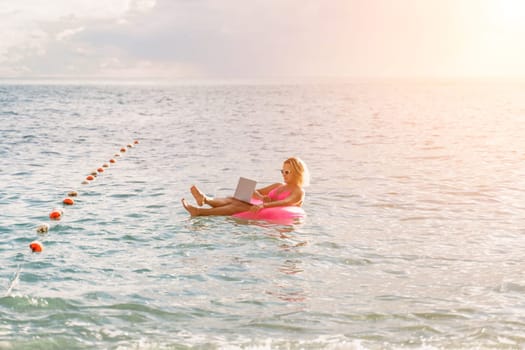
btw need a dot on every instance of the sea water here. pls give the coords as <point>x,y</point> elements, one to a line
<point>414,236</point>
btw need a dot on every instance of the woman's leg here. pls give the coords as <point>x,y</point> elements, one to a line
<point>233,207</point>
<point>201,199</point>
<point>199,196</point>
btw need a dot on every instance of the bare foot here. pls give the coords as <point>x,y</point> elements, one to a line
<point>198,195</point>
<point>191,209</point>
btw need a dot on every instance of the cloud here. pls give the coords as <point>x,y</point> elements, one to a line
<point>260,38</point>
<point>235,38</point>
<point>36,34</point>
<point>115,68</point>
<point>197,38</point>
<point>68,33</point>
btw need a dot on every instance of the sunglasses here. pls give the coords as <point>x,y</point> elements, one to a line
<point>285,172</point>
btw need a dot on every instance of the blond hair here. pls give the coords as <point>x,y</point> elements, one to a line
<point>300,171</point>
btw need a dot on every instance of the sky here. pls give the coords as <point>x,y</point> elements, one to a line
<point>247,39</point>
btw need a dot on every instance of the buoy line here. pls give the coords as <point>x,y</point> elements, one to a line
<point>57,214</point>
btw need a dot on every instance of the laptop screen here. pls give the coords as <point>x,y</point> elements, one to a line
<point>244,190</point>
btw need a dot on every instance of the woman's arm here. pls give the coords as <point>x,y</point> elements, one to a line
<point>261,193</point>
<point>295,198</point>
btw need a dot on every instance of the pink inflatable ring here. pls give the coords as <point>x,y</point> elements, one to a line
<point>275,214</point>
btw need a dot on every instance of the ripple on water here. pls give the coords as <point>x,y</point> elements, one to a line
<point>28,303</point>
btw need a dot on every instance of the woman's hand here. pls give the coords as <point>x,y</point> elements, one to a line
<point>256,208</point>
<point>261,197</point>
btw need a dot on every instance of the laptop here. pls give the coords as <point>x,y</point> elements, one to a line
<point>244,190</point>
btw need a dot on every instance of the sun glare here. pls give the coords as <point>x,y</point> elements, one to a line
<point>508,13</point>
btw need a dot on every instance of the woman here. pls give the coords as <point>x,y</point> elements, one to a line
<point>290,193</point>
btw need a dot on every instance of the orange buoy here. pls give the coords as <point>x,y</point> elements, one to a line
<point>56,214</point>
<point>68,201</point>
<point>136,142</point>
<point>90,178</point>
<point>100,170</point>
<point>122,150</point>
<point>36,247</point>
<point>112,160</point>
